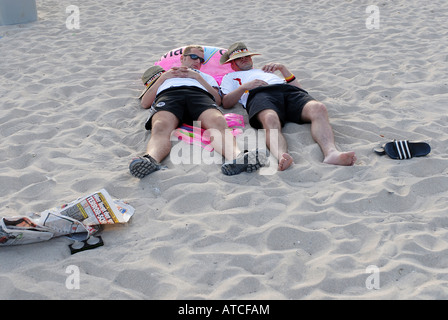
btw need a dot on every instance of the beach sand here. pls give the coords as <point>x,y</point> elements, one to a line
<point>71,122</point>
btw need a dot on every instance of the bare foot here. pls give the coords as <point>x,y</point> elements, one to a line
<point>285,162</point>
<point>341,158</point>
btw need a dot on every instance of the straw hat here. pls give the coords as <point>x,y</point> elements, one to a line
<point>150,76</point>
<point>235,51</point>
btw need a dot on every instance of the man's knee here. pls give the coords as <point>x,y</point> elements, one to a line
<point>213,119</point>
<point>269,119</point>
<point>163,126</point>
<point>315,110</point>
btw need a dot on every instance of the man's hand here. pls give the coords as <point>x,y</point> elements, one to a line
<point>181,72</point>
<point>254,84</point>
<point>272,67</point>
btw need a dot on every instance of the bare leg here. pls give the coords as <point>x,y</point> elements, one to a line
<point>222,139</point>
<point>321,131</point>
<point>279,147</point>
<point>159,145</point>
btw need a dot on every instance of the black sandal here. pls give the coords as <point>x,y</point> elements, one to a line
<point>247,161</point>
<point>403,149</point>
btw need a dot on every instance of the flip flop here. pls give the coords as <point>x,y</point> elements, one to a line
<point>403,149</point>
<point>142,166</point>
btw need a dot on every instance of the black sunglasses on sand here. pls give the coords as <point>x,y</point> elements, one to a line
<point>196,57</point>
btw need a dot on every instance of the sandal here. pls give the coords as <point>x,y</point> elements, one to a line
<point>403,149</point>
<point>247,161</point>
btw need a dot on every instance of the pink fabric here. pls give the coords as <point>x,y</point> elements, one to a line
<point>196,136</point>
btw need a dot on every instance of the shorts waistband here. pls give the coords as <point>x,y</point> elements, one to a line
<point>281,86</point>
<point>186,89</point>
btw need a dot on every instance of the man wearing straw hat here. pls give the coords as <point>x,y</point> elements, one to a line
<point>183,95</point>
<point>271,101</point>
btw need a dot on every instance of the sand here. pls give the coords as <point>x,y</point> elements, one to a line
<point>71,122</point>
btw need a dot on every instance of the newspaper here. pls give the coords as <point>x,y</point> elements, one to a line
<point>78,220</point>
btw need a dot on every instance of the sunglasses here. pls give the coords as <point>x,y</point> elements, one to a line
<point>196,57</point>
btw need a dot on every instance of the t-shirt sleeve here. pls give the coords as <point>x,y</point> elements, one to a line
<point>210,80</point>
<point>227,85</point>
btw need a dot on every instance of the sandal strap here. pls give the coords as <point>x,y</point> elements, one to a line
<point>402,147</point>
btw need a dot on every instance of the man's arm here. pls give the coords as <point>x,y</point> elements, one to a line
<point>272,67</point>
<point>150,95</point>
<point>212,90</point>
<point>232,98</point>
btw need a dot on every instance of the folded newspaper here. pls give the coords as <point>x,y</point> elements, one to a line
<point>78,220</point>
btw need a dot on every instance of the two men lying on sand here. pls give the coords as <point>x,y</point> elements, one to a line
<point>184,94</point>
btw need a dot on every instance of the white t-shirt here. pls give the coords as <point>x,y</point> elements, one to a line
<point>178,82</point>
<point>233,80</point>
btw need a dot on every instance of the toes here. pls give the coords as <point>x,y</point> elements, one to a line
<point>285,162</point>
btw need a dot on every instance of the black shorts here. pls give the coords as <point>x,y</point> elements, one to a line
<point>286,100</point>
<point>186,103</point>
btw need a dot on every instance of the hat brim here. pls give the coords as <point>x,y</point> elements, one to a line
<point>150,85</point>
<point>143,92</point>
<point>226,59</point>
